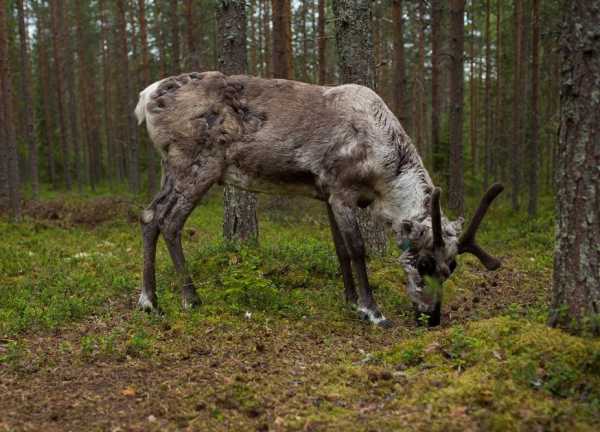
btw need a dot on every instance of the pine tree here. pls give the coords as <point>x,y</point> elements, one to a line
<point>282,39</point>
<point>576,291</point>
<point>240,222</point>
<point>8,141</point>
<point>456,184</point>
<point>357,65</point>
<point>26,92</point>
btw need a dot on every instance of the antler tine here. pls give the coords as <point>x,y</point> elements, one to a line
<point>467,240</point>
<point>436,219</point>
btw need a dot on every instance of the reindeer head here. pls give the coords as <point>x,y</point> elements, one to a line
<point>430,251</point>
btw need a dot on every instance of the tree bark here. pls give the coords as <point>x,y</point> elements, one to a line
<point>128,128</point>
<point>58,42</point>
<point>576,291</point>
<point>26,91</point>
<point>71,99</point>
<point>497,160</point>
<point>516,107</point>
<point>282,39</point>
<point>487,153</point>
<point>472,94</point>
<point>456,183</point>
<point>240,222</point>
<point>322,45</point>
<point>44,73</point>
<point>193,56</point>
<point>268,40</point>
<point>533,157</point>
<point>356,64</point>
<point>174,23</point>
<point>437,13</point>
<point>8,143</point>
<point>107,105</point>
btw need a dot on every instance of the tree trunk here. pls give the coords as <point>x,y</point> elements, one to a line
<point>58,42</point>
<point>356,64</point>
<point>419,85</point>
<point>239,222</point>
<point>535,128</point>
<point>282,39</point>
<point>516,107</point>
<point>128,128</point>
<point>28,101</point>
<point>174,23</point>
<point>456,183</point>
<point>8,144</point>
<point>193,56</point>
<point>487,153</point>
<point>436,101</point>
<point>253,66</point>
<point>153,167</point>
<point>71,100</point>
<point>576,293</point>
<point>303,14</point>
<point>44,77</point>
<point>268,40</point>
<point>497,159</point>
<point>107,105</point>
<point>322,45</point>
<point>472,95</point>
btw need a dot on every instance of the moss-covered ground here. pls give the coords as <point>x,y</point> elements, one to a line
<point>274,347</point>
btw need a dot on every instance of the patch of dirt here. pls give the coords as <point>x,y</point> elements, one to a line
<point>89,213</point>
<point>496,293</point>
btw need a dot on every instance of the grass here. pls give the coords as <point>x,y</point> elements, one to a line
<point>273,346</point>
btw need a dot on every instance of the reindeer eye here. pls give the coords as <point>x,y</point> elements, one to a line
<point>426,265</point>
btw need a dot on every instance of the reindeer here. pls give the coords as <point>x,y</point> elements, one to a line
<point>341,145</point>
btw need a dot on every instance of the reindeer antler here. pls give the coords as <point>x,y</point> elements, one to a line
<point>467,241</point>
<point>436,219</point>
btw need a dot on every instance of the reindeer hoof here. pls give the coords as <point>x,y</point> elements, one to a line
<point>146,304</point>
<point>386,324</point>
<point>190,301</point>
<point>430,319</point>
<point>374,317</point>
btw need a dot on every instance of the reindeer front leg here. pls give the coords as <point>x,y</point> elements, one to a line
<point>168,214</point>
<point>350,233</point>
<point>343,258</point>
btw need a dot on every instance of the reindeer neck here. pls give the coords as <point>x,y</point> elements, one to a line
<point>406,196</point>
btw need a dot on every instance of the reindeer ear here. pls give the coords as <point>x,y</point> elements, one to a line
<point>410,231</point>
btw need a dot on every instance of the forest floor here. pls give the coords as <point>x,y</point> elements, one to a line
<point>274,347</point>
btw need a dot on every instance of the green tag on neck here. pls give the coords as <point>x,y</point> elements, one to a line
<point>405,245</point>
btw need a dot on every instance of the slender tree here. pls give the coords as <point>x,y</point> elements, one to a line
<point>576,292</point>
<point>456,180</point>
<point>356,64</point>
<point>8,143</point>
<point>26,91</point>
<point>516,106</point>
<point>437,11</point>
<point>473,85</point>
<point>174,24</point>
<point>107,102</point>
<point>127,128</point>
<point>193,57</point>
<point>71,95</point>
<point>487,151</point>
<point>282,39</point>
<point>56,12</point>
<point>322,44</point>
<point>535,129</point>
<point>43,67</point>
<point>240,222</point>
<point>268,39</point>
